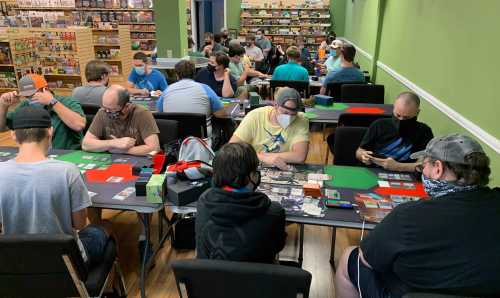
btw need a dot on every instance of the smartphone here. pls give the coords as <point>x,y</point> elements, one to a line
<point>378,155</point>
<point>332,203</point>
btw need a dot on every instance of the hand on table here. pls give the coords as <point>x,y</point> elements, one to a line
<point>145,92</point>
<point>43,97</point>
<point>156,93</point>
<point>123,143</point>
<point>386,163</point>
<point>8,99</point>
<point>274,160</point>
<point>366,157</point>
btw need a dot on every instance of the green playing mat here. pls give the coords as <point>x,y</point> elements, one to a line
<point>335,107</point>
<point>350,177</point>
<point>310,115</point>
<point>87,160</point>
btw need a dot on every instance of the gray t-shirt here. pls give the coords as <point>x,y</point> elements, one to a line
<point>89,94</point>
<point>39,197</point>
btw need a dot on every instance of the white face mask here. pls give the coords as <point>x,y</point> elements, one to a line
<point>285,120</point>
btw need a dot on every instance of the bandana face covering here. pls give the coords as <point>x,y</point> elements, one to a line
<point>438,188</point>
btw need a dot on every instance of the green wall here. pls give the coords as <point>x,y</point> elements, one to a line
<point>233,14</point>
<point>446,47</point>
<point>171,27</point>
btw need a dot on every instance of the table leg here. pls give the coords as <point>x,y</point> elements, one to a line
<point>332,250</point>
<point>147,226</point>
<point>301,244</point>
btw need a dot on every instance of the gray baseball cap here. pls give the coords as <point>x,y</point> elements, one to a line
<point>285,94</point>
<point>451,148</point>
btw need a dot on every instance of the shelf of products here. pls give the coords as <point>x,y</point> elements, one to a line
<point>90,13</point>
<point>8,80</point>
<point>114,48</point>
<point>59,54</point>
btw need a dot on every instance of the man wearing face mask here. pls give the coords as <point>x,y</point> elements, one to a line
<point>217,75</point>
<point>447,244</point>
<point>333,62</point>
<point>263,42</point>
<point>143,78</point>
<point>97,75</point>
<point>121,126</point>
<point>389,142</point>
<point>235,222</point>
<point>225,37</point>
<point>68,119</point>
<point>279,134</point>
<point>252,50</point>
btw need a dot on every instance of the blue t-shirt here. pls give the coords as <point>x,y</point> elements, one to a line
<point>344,74</point>
<point>291,71</point>
<point>152,81</point>
<point>208,78</point>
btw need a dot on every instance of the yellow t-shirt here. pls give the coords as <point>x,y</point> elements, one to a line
<point>258,131</point>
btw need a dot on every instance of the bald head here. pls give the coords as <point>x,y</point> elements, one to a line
<point>115,96</point>
<point>406,106</point>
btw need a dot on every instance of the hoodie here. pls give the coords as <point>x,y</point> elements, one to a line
<point>239,226</point>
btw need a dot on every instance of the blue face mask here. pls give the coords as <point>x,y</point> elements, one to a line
<point>140,70</point>
<point>333,53</point>
<point>438,188</point>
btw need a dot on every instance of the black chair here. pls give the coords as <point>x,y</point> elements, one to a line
<point>168,131</point>
<point>51,266</point>
<point>333,89</point>
<point>301,86</point>
<point>346,142</point>
<point>431,295</point>
<point>190,124</point>
<point>195,279</point>
<point>362,93</point>
<point>359,120</point>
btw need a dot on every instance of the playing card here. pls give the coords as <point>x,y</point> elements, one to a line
<point>383,183</point>
<point>114,179</point>
<point>122,195</point>
<point>319,182</point>
<point>5,154</point>
<point>92,194</point>
<point>332,193</point>
<point>89,166</point>
<point>296,192</point>
<point>87,157</point>
<point>318,177</point>
<point>369,204</point>
<point>385,205</point>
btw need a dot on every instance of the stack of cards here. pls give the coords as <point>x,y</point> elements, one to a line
<point>395,176</point>
<point>122,195</point>
<point>397,184</point>
<point>142,181</point>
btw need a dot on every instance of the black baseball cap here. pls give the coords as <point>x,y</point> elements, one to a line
<point>29,117</point>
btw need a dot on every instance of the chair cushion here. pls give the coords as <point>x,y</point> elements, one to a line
<point>97,275</point>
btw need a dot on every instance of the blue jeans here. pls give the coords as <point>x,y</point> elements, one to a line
<point>94,239</point>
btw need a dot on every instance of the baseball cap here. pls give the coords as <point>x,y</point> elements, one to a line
<point>451,148</point>
<point>30,84</point>
<point>29,117</point>
<point>285,94</point>
<point>336,44</point>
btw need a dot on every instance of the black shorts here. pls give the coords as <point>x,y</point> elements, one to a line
<point>370,285</point>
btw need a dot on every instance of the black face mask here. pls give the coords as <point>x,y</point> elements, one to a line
<point>210,68</point>
<point>406,128</point>
<point>256,184</point>
<point>224,36</point>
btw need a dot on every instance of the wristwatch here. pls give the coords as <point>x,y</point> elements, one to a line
<point>53,102</point>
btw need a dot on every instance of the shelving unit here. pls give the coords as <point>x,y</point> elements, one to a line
<point>8,80</point>
<point>285,25</point>
<point>34,50</point>
<point>113,47</point>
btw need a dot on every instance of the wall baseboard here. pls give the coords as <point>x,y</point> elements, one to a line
<point>358,49</point>
<point>478,132</point>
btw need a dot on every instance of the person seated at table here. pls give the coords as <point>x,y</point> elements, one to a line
<point>188,96</point>
<point>333,62</point>
<point>252,50</point>
<point>225,37</point>
<point>39,195</point>
<point>263,42</point>
<point>292,71</point>
<point>424,246</point>
<point>143,78</point>
<point>242,72</point>
<point>389,142</point>
<point>234,221</point>
<point>121,126</point>
<point>68,119</point>
<point>97,75</point>
<point>217,75</point>
<point>347,72</point>
<point>279,133</point>
<point>305,55</point>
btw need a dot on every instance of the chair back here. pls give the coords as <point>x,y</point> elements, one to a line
<point>189,124</point>
<point>33,265</point>
<point>346,142</point>
<point>301,86</point>
<point>359,120</point>
<point>168,130</point>
<point>333,89</point>
<point>362,93</point>
<point>90,109</point>
<point>195,279</point>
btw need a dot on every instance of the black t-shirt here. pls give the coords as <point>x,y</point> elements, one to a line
<point>208,78</point>
<point>449,244</point>
<point>384,137</point>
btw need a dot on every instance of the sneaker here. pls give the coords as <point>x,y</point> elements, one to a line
<point>143,249</point>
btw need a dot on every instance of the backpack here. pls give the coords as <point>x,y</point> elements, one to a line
<point>195,160</point>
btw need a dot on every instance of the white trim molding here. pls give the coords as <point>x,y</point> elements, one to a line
<point>358,49</point>
<point>474,129</point>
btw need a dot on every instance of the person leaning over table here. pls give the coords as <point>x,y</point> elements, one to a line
<point>121,126</point>
<point>97,75</point>
<point>43,196</point>
<point>389,142</point>
<point>447,244</point>
<point>234,221</point>
<point>279,133</point>
<point>68,119</point>
<point>144,78</point>
<point>217,75</point>
<point>241,72</point>
<point>292,71</point>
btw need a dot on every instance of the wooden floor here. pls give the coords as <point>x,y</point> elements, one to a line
<point>161,283</point>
